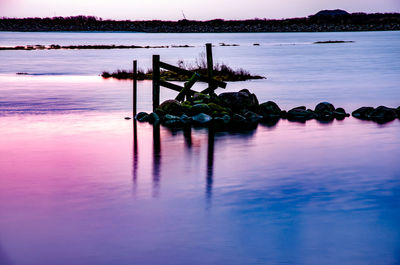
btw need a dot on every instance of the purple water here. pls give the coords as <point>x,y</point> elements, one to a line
<point>76,188</point>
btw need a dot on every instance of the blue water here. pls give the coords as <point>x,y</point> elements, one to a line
<point>81,185</point>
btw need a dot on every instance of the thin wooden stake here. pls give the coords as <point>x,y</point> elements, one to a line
<point>134,105</point>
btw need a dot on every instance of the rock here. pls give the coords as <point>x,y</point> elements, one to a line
<point>154,118</point>
<point>201,118</point>
<point>340,114</point>
<point>326,115</point>
<point>200,98</point>
<point>252,117</point>
<point>224,119</point>
<point>362,113</point>
<point>172,107</point>
<point>383,114</point>
<point>300,114</point>
<point>142,116</point>
<point>171,120</point>
<point>300,108</point>
<point>185,119</point>
<point>239,100</point>
<point>238,119</point>
<point>200,108</point>
<point>186,107</point>
<point>269,109</point>
<point>218,108</point>
<point>324,106</point>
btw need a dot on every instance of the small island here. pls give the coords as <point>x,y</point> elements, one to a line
<point>221,72</point>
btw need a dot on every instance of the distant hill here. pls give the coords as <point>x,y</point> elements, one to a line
<point>331,13</point>
<point>325,20</point>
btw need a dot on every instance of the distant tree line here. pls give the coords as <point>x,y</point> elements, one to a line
<point>315,23</point>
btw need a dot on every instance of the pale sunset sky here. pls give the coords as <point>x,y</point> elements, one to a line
<point>194,10</point>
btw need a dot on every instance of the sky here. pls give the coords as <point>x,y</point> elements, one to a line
<point>193,10</point>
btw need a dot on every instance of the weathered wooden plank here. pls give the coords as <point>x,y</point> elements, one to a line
<point>190,73</point>
<point>171,86</point>
<point>188,85</point>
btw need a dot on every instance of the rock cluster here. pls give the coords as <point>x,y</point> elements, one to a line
<point>234,109</point>
<point>380,114</point>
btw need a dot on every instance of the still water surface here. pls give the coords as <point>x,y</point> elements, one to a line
<point>79,186</point>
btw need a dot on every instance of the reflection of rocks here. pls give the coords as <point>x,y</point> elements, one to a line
<point>380,114</point>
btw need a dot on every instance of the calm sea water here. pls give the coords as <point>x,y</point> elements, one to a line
<point>81,185</point>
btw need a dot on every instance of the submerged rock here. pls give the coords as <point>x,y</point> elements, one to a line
<point>142,116</point>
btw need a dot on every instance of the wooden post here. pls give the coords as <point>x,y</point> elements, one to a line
<point>156,81</point>
<point>134,106</point>
<point>209,62</point>
<point>210,66</point>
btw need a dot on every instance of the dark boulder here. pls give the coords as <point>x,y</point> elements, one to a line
<point>252,117</point>
<point>362,113</point>
<point>154,118</point>
<point>324,106</point>
<point>172,107</point>
<point>200,108</point>
<point>239,100</point>
<point>171,120</point>
<point>238,119</point>
<point>269,109</point>
<point>185,119</point>
<point>142,116</point>
<point>383,114</point>
<point>223,120</point>
<point>300,114</point>
<point>340,114</point>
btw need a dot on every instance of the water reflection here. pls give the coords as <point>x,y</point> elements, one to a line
<point>4,258</point>
<point>135,155</point>
<point>156,159</point>
<point>210,161</point>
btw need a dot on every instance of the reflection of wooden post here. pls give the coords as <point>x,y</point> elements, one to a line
<point>156,158</point>
<point>135,152</point>
<point>134,86</point>
<point>210,161</point>
<point>156,81</point>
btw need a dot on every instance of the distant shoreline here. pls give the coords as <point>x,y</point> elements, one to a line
<point>326,22</point>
